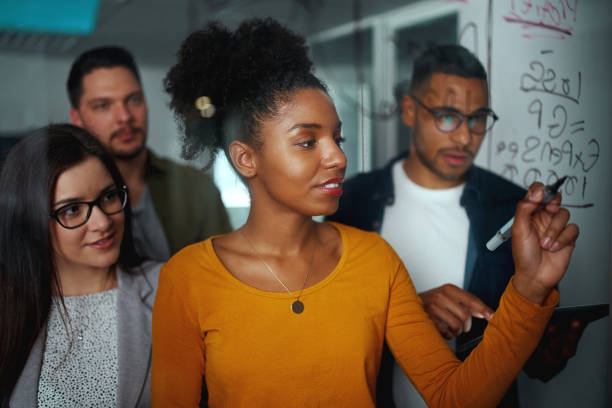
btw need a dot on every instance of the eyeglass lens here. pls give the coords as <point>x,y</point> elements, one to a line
<point>77,214</point>
<point>449,121</point>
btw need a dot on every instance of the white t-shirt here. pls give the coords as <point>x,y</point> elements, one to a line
<point>429,231</point>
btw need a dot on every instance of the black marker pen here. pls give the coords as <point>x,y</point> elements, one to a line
<point>504,232</point>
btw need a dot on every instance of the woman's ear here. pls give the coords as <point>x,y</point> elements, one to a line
<point>408,110</point>
<point>243,159</point>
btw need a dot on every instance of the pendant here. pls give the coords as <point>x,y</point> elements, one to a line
<point>297,307</point>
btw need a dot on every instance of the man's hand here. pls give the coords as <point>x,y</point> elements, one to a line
<point>452,308</point>
<point>542,242</point>
<point>558,345</point>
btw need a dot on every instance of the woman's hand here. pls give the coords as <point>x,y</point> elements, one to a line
<point>542,242</point>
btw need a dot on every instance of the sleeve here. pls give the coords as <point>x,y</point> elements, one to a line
<point>484,377</point>
<point>178,348</point>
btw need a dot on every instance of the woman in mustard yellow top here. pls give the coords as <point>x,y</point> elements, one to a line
<point>289,312</point>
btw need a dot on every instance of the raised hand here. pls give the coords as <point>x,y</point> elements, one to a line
<point>452,308</point>
<point>542,242</point>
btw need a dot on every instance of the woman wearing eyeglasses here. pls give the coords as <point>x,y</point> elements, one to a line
<point>75,299</point>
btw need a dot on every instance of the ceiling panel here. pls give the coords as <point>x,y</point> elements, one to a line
<point>154,29</point>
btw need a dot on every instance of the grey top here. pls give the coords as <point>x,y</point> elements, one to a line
<point>149,236</point>
<point>135,296</point>
<point>80,364</point>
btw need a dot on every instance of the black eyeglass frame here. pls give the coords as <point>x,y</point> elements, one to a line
<point>96,202</point>
<point>437,112</point>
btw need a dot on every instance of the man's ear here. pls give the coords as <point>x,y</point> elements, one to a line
<point>243,159</point>
<point>408,108</point>
<point>75,117</point>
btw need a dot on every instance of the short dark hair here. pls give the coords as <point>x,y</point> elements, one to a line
<point>452,59</point>
<point>101,57</point>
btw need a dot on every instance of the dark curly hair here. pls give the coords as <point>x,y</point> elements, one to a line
<point>246,74</point>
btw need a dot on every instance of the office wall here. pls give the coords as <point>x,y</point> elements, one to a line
<point>552,87</point>
<point>34,94</point>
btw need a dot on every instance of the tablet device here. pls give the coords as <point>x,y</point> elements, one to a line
<point>562,317</point>
<point>585,314</point>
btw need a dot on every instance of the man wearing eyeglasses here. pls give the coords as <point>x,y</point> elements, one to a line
<point>437,209</point>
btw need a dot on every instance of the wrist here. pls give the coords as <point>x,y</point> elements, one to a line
<point>530,288</point>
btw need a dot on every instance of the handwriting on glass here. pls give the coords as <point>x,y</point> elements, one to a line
<point>559,143</point>
<point>542,18</point>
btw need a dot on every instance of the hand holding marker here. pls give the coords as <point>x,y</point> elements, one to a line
<point>504,232</point>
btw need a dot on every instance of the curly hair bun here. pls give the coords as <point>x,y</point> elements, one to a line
<point>245,71</point>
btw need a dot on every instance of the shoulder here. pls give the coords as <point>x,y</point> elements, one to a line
<point>366,255</point>
<point>145,273</point>
<point>189,255</point>
<point>353,233</point>
<point>139,282</point>
<point>150,272</point>
<point>362,243</point>
<point>188,264</point>
<point>171,168</point>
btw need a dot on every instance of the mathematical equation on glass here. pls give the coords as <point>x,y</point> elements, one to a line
<point>558,142</point>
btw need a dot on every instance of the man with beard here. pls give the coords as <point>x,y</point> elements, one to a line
<point>172,205</point>
<point>437,210</point>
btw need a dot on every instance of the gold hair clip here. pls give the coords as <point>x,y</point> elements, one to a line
<point>205,106</point>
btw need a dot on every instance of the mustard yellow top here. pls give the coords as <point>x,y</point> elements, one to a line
<point>255,352</point>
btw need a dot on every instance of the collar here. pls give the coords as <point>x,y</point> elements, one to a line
<point>472,188</point>
<point>481,186</point>
<point>489,189</point>
<point>472,181</point>
<point>135,284</point>
<point>386,182</point>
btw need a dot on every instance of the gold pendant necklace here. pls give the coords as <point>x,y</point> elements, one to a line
<point>297,306</point>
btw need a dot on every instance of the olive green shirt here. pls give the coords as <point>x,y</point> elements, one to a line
<point>186,201</point>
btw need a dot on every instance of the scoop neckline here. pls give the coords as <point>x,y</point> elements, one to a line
<point>92,295</point>
<point>284,294</point>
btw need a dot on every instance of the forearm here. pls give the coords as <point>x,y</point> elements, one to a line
<point>484,377</point>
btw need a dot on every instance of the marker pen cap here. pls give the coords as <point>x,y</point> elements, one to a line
<point>495,242</point>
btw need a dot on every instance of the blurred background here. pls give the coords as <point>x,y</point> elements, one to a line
<point>39,39</point>
<point>364,50</point>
